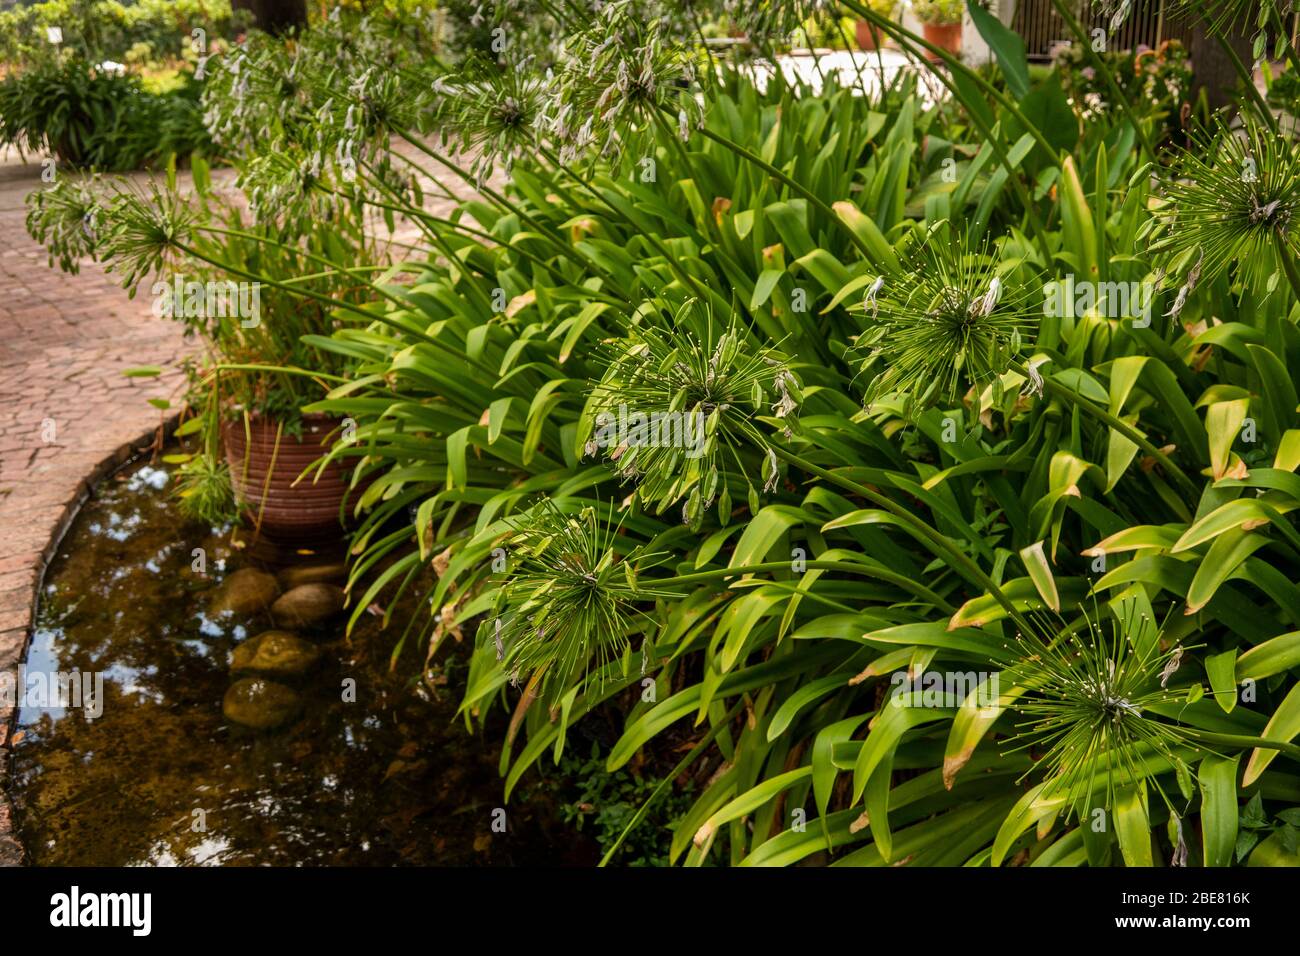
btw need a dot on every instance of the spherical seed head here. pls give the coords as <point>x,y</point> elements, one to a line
<point>952,323</point>
<point>1234,199</point>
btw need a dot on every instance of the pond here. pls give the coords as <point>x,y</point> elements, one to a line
<point>372,768</point>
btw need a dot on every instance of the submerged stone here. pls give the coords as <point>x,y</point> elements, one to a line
<point>307,605</point>
<point>330,573</point>
<point>247,591</point>
<point>275,654</point>
<point>259,703</point>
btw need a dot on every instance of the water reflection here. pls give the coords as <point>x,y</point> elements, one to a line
<point>161,778</point>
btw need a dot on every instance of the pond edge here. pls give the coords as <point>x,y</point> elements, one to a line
<point>11,849</point>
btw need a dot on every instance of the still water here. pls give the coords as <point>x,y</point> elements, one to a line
<point>160,777</point>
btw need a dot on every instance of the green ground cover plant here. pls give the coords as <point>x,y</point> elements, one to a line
<point>972,544</point>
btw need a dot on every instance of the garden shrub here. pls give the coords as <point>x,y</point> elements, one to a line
<point>983,551</point>
<point>94,118</point>
<point>143,32</point>
<point>1156,83</point>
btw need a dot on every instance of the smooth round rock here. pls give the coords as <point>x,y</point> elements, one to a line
<point>299,574</point>
<point>275,654</point>
<point>307,605</point>
<point>259,703</point>
<point>247,591</point>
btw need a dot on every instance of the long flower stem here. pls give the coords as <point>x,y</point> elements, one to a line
<point>311,257</point>
<point>336,303</point>
<point>1288,262</point>
<point>669,259</point>
<point>1247,80</point>
<point>1292,56</point>
<point>564,249</point>
<point>1243,740</point>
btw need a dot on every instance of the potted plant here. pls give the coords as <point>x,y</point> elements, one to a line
<point>261,296</point>
<point>867,35</point>
<point>941,23</point>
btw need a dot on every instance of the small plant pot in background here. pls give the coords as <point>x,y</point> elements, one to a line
<point>307,511</point>
<point>946,36</point>
<point>867,35</point>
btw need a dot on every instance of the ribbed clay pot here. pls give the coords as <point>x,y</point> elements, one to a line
<point>946,36</point>
<point>307,511</point>
<point>868,36</point>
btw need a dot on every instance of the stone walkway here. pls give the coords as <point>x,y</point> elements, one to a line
<point>67,413</point>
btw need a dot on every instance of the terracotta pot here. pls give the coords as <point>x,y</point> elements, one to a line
<point>868,36</point>
<point>946,36</point>
<point>308,511</point>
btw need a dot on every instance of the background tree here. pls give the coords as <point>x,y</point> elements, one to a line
<point>274,16</point>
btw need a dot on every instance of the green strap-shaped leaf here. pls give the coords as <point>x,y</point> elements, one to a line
<point>749,801</point>
<point>1007,46</point>
<point>824,770</point>
<point>1223,425</point>
<point>1040,572</point>
<point>1273,852</point>
<point>882,253</point>
<point>767,281</point>
<point>801,698</point>
<point>1031,807</point>
<point>877,803</point>
<point>1217,779</point>
<point>970,725</point>
<point>1133,827</point>
<point>897,716</point>
<point>1274,656</point>
<point>1228,552</point>
<point>1283,725</point>
<point>1227,516</point>
<point>1221,669</point>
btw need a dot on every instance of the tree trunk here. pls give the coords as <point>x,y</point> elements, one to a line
<point>1212,69</point>
<point>274,16</point>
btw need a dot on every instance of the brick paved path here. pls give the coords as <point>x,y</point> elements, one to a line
<point>65,410</point>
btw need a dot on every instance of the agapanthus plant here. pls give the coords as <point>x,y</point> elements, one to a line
<point>568,601</point>
<point>67,218</point>
<point>253,292</point>
<point>771,23</point>
<point>1234,199</point>
<point>677,412</point>
<point>621,76</point>
<point>267,92</point>
<point>1088,709</point>
<point>957,319</point>
<point>493,111</point>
